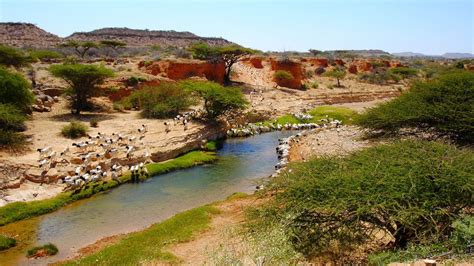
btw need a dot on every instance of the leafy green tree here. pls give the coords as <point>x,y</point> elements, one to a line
<point>337,73</point>
<point>113,44</point>
<point>83,81</point>
<point>229,54</point>
<point>15,90</point>
<point>218,100</point>
<point>80,48</point>
<point>445,103</point>
<point>12,57</point>
<point>411,190</point>
<point>164,101</point>
<point>315,52</point>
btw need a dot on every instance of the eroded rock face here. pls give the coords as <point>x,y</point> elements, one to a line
<point>141,38</point>
<point>256,62</point>
<point>352,69</point>
<point>339,62</point>
<point>11,174</point>
<point>363,66</point>
<point>294,68</point>
<point>178,70</point>
<point>319,62</point>
<point>26,35</point>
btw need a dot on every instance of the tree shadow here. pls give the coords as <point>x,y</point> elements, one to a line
<point>83,117</point>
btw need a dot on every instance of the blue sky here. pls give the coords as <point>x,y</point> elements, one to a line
<point>431,27</point>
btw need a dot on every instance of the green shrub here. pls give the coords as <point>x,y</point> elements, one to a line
<point>10,56</point>
<point>12,140</point>
<point>445,103</point>
<point>461,237</point>
<point>11,118</point>
<point>382,77</point>
<point>314,85</point>
<point>6,242</point>
<point>412,190</point>
<point>45,54</point>
<point>94,122</point>
<point>337,73</point>
<point>133,81</point>
<point>463,233</point>
<point>163,101</point>
<point>48,249</point>
<point>74,130</point>
<point>282,76</point>
<point>84,81</point>
<point>218,100</point>
<point>15,90</point>
<point>404,72</point>
<point>308,74</point>
<point>118,107</point>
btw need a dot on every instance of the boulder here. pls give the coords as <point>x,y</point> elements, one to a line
<point>52,92</point>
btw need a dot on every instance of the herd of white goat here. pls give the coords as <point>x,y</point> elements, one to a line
<point>104,156</point>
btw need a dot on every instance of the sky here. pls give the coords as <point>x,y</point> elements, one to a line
<point>425,26</point>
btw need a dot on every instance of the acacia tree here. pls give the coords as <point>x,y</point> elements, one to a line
<point>218,100</point>
<point>80,48</point>
<point>83,81</point>
<point>229,54</point>
<point>337,73</point>
<point>315,52</point>
<point>113,44</point>
<point>12,57</point>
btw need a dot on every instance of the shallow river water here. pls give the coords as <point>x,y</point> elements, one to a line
<point>132,207</point>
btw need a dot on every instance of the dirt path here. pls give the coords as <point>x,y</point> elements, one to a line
<point>197,251</point>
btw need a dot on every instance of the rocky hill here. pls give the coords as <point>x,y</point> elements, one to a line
<point>29,35</point>
<point>137,38</point>
<point>26,35</point>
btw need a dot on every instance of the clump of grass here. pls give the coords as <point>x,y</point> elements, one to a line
<point>211,145</point>
<point>74,130</point>
<point>41,251</point>
<point>6,242</point>
<point>94,123</point>
<point>188,160</point>
<point>12,140</point>
<point>150,244</point>
<point>23,210</point>
<point>343,114</point>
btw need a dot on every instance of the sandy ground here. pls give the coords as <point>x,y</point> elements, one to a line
<point>330,142</point>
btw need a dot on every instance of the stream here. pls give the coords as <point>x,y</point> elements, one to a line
<point>133,207</point>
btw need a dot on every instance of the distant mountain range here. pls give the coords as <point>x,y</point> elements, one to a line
<point>30,35</point>
<point>446,55</point>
